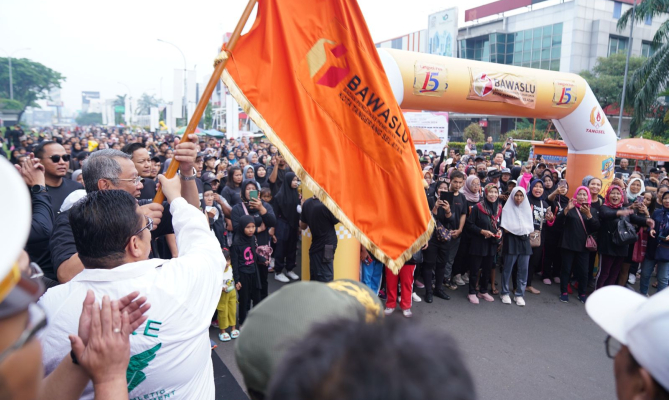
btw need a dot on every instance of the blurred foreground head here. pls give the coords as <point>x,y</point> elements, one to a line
<point>313,340</point>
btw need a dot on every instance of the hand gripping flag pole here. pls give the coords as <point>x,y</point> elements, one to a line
<point>219,66</point>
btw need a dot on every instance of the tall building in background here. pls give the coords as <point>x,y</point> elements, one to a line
<point>442,31</point>
<point>86,98</point>
<point>558,35</point>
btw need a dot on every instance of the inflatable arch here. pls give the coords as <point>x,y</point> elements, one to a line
<point>428,82</point>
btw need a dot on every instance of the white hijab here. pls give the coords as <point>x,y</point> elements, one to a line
<point>518,219</point>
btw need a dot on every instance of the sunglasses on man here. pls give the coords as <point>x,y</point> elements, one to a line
<point>56,158</point>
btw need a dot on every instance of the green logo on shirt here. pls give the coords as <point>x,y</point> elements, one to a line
<point>138,362</point>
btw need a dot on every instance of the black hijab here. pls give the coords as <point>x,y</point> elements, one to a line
<point>261,181</point>
<point>287,200</point>
<point>242,194</point>
<point>240,238</point>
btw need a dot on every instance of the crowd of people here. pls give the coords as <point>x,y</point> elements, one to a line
<point>232,218</point>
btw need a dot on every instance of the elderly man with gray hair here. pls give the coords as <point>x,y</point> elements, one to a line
<point>112,169</point>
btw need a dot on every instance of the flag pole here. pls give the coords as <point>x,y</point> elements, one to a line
<point>206,95</point>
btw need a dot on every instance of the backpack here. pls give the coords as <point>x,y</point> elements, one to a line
<point>625,233</point>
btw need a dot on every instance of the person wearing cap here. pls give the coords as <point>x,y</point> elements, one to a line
<point>509,152</point>
<point>209,163</point>
<point>493,177</point>
<point>637,340</point>
<point>156,167</point>
<point>653,180</point>
<point>504,180</point>
<point>183,291</point>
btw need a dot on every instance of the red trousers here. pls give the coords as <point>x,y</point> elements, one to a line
<point>405,278</point>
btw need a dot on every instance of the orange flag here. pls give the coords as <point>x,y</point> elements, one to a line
<point>309,76</point>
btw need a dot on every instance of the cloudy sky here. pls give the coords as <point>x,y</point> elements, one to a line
<point>98,44</point>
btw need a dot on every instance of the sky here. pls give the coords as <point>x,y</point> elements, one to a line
<point>113,47</point>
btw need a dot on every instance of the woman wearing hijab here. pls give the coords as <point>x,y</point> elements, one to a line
<point>630,267</point>
<point>657,251</point>
<point>287,228</point>
<point>613,255</point>
<point>261,175</point>
<point>635,188</point>
<point>483,225</point>
<point>558,201</point>
<point>264,219</point>
<point>518,224</point>
<point>246,266</point>
<point>577,222</point>
<point>542,216</point>
<point>472,192</point>
<point>252,157</point>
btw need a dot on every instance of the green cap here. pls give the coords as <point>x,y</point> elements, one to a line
<point>289,314</point>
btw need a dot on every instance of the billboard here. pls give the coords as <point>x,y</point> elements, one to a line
<point>86,98</point>
<point>425,126</point>
<point>442,31</point>
<point>54,99</point>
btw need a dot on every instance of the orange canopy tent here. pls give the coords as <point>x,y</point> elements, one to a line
<point>424,136</point>
<point>642,149</point>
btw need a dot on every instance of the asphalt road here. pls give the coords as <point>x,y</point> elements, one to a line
<point>545,350</point>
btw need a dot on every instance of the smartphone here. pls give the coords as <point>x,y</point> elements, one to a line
<point>639,199</point>
<point>253,194</point>
<point>619,175</point>
<point>446,196</point>
<point>562,183</point>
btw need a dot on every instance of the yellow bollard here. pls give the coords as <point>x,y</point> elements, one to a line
<point>347,256</point>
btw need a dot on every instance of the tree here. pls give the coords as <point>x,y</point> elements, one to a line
<point>646,83</point>
<point>31,81</point>
<point>89,119</point>
<point>474,132</point>
<point>145,103</point>
<point>119,117</point>
<point>606,78</point>
<point>208,118</point>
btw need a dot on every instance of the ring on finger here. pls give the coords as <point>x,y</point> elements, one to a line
<point>117,330</point>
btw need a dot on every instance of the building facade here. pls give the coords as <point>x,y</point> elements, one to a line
<point>566,36</point>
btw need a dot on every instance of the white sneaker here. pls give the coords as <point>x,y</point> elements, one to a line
<point>631,279</point>
<point>407,313</point>
<point>520,301</point>
<point>281,278</point>
<point>416,297</point>
<point>458,280</point>
<point>292,275</point>
<point>506,299</point>
<point>465,277</point>
<point>388,311</point>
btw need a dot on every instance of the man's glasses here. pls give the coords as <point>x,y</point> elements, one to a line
<point>149,226</point>
<point>56,158</point>
<point>613,346</point>
<point>135,181</point>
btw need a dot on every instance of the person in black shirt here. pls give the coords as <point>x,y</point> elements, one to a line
<point>623,169</point>
<point>56,161</point>
<point>321,222</point>
<point>459,210</point>
<point>509,153</point>
<point>142,160</point>
<point>277,174</point>
<point>488,147</point>
<point>653,180</point>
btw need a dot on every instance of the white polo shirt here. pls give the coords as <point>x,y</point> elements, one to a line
<point>170,352</point>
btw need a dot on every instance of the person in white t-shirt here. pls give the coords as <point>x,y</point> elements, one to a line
<point>170,352</point>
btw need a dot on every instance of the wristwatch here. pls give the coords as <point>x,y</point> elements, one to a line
<point>38,189</point>
<point>188,178</point>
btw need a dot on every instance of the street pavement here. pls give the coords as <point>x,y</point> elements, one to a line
<point>545,350</point>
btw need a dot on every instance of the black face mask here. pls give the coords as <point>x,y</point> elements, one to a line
<point>482,175</point>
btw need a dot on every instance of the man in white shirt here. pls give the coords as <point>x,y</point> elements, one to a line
<point>170,352</point>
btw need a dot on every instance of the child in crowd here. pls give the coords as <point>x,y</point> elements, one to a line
<point>227,305</point>
<point>245,265</point>
<point>266,196</point>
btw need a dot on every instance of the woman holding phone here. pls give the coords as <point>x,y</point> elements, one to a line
<point>542,216</point>
<point>558,201</point>
<point>483,224</point>
<point>264,218</point>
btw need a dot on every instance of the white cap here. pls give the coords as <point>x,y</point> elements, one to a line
<point>16,204</point>
<point>640,323</point>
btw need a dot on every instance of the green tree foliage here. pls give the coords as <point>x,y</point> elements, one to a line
<point>31,81</point>
<point>89,119</point>
<point>606,78</point>
<point>7,104</point>
<point>647,82</point>
<point>145,103</point>
<point>474,132</point>
<point>522,149</point>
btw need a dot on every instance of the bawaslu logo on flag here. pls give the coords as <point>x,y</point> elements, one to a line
<point>309,76</point>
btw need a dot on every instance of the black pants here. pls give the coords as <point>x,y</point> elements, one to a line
<point>321,268</point>
<point>476,264</point>
<point>434,262</point>
<point>285,254</point>
<point>249,293</point>
<point>578,261</point>
<point>552,254</point>
<point>461,263</point>
<point>264,287</point>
